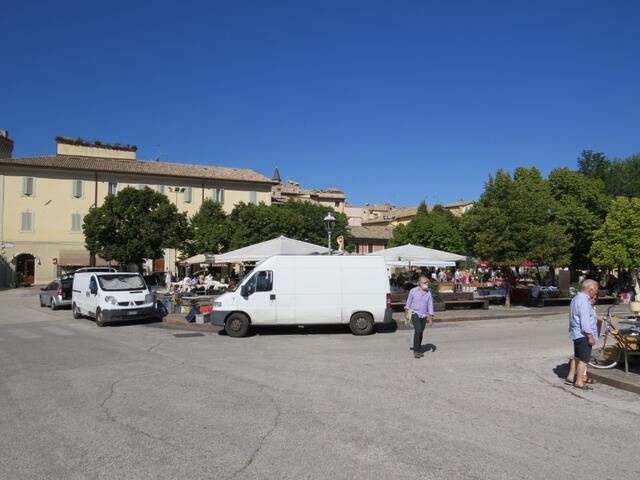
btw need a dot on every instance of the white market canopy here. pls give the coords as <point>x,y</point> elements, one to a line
<point>277,246</point>
<point>199,259</point>
<point>418,256</point>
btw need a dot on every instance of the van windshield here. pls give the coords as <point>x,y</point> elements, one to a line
<point>123,281</point>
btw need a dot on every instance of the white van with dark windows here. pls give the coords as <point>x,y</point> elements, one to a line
<point>112,297</point>
<point>308,290</point>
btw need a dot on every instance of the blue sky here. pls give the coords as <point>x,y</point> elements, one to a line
<point>397,101</point>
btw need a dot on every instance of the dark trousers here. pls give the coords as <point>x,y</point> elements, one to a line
<point>418,329</point>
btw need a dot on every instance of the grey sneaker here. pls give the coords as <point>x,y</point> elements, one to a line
<point>417,355</point>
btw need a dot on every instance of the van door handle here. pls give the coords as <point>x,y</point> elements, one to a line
<point>272,296</point>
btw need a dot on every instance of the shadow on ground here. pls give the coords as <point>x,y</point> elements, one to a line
<point>313,329</point>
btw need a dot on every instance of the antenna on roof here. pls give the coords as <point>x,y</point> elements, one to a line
<point>158,154</point>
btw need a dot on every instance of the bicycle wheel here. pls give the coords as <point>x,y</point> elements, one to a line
<point>605,357</point>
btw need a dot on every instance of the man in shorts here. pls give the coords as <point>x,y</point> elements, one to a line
<point>583,329</point>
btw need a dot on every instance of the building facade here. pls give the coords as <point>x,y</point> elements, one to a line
<point>283,192</point>
<point>370,238</point>
<point>43,201</point>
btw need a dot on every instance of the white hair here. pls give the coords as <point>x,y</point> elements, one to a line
<point>588,285</point>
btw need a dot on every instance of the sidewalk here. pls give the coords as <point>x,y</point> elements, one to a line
<point>176,320</point>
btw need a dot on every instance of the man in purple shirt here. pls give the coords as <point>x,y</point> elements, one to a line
<point>419,309</point>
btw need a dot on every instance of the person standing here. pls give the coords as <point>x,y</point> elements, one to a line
<point>419,309</point>
<point>583,330</point>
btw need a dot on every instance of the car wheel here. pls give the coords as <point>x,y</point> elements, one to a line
<point>237,325</point>
<point>99,319</point>
<point>361,323</point>
<point>53,304</point>
<point>75,311</point>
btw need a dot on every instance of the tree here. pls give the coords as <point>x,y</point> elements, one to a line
<point>513,222</point>
<point>210,229</point>
<point>580,206</point>
<point>299,220</point>
<point>134,225</point>
<point>594,165</point>
<point>439,229</point>
<point>617,242</point>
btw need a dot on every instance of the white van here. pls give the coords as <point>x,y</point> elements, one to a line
<point>309,289</point>
<point>111,297</point>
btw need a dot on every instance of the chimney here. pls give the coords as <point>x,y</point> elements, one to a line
<point>6,145</point>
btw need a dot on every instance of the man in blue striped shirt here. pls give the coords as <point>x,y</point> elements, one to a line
<point>583,328</point>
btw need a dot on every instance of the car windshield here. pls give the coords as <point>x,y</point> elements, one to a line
<point>121,282</point>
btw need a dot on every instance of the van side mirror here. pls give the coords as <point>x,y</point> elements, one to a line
<point>94,290</point>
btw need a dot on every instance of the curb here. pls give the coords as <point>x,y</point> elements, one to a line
<point>614,382</point>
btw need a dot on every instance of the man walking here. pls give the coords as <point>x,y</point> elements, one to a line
<point>583,330</point>
<point>419,309</point>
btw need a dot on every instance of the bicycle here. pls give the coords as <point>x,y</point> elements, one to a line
<point>623,343</point>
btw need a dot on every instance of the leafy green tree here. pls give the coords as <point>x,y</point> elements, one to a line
<point>210,229</point>
<point>513,222</point>
<point>580,206</point>
<point>134,225</point>
<point>439,229</point>
<point>299,220</point>
<point>594,165</point>
<point>617,242</point>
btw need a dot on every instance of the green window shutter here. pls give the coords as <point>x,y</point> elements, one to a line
<point>253,197</point>
<point>76,222</point>
<point>188,195</point>
<point>27,186</point>
<point>221,196</point>
<point>77,188</point>
<point>26,224</point>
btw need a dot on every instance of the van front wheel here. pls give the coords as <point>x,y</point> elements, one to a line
<point>99,318</point>
<point>237,325</point>
<point>361,323</point>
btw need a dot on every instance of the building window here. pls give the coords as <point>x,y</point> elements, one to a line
<point>188,195</point>
<point>76,222</point>
<point>113,188</point>
<point>357,248</point>
<point>141,186</point>
<point>220,196</point>
<point>26,222</point>
<point>27,186</point>
<point>336,204</point>
<point>160,189</point>
<point>253,197</point>
<point>370,248</point>
<point>77,188</point>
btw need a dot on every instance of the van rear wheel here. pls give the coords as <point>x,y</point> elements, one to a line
<point>237,325</point>
<point>361,323</point>
<point>75,312</point>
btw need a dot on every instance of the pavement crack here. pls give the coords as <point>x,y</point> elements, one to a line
<point>153,347</point>
<point>265,437</point>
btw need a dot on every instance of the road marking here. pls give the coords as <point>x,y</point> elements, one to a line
<point>58,331</point>
<point>27,335</point>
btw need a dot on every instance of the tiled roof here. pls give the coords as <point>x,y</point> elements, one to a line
<point>371,232</point>
<point>138,167</point>
<point>394,214</point>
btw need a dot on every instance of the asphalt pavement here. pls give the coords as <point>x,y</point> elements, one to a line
<point>137,401</point>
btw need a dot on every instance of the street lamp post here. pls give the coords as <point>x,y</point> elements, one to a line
<point>176,190</point>
<point>329,222</point>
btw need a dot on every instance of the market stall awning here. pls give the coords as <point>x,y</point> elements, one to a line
<point>78,258</point>
<point>199,259</point>
<point>416,254</point>
<point>277,246</point>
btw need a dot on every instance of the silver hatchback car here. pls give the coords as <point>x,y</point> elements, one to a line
<point>57,294</point>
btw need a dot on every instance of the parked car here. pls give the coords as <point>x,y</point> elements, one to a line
<point>309,289</point>
<point>112,297</point>
<point>57,294</point>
